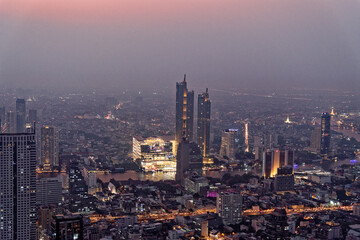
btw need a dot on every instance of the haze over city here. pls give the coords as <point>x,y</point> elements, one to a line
<point>133,44</point>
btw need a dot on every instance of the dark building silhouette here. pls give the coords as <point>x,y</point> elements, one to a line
<point>20,115</point>
<point>67,227</point>
<point>325,133</point>
<point>32,116</point>
<point>203,123</point>
<point>189,159</point>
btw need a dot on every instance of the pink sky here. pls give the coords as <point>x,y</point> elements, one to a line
<point>102,11</point>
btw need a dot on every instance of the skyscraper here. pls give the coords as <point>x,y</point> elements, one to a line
<point>10,122</point>
<point>325,133</point>
<point>228,143</point>
<point>32,116</point>
<point>20,115</point>
<point>229,207</point>
<point>17,186</point>
<point>188,159</point>
<point>274,159</point>
<point>203,124</point>
<point>315,140</point>
<point>49,147</point>
<point>184,113</point>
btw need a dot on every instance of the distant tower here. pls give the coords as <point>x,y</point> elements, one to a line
<point>184,113</point>
<point>18,186</point>
<point>332,112</point>
<point>315,140</point>
<point>32,116</point>
<point>11,122</point>
<point>2,117</point>
<point>325,133</point>
<point>203,124</point>
<point>246,136</point>
<point>20,115</point>
<point>228,143</point>
<point>49,147</point>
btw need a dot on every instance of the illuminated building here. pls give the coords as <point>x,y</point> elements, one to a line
<point>284,179</point>
<point>325,133</point>
<point>20,115</point>
<point>184,113</point>
<point>49,147</point>
<point>228,143</point>
<point>274,159</point>
<point>229,207</point>
<point>246,136</point>
<point>288,120</point>
<point>203,124</point>
<point>18,186</point>
<point>315,139</point>
<point>155,153</point>
<point>332,112</point>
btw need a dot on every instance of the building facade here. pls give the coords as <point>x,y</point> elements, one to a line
<point>20,115</point>
<point>154,153</point>
<point>325,133</point>
<point>228,143</point>
<point>203,123</point>
<point>274,159</point>
<point>229,207</point>
<point>18,186</point>
<point>49,147</point>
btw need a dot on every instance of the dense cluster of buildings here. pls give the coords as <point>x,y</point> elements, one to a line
<point>61,175</point>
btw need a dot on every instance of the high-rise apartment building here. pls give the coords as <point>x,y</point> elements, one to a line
<point>184,113</point>
<point>203,122</point>
<point>20,115</point>
<point>274,159</point>
<point>315,139</point>
<point>229,207</point>
<point>228,143</point>
<point>17,186</point>
<point>325,133</point>
<point>49,147</point>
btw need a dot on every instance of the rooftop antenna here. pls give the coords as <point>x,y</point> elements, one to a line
<point>184,77</point>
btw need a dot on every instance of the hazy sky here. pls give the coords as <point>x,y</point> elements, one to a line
<point>110,44</point>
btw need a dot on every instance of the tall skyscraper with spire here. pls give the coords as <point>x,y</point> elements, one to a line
<point>184,113</point>
<point>203,123</point>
